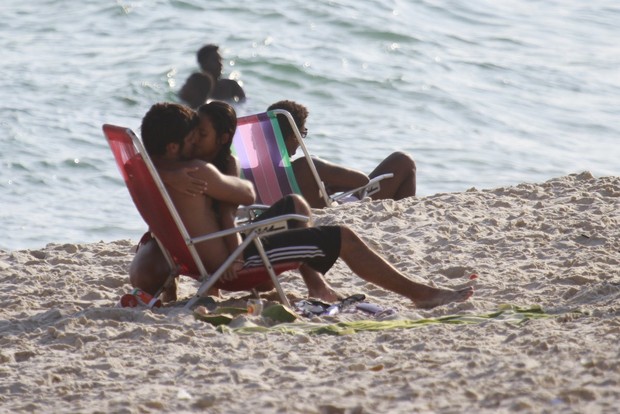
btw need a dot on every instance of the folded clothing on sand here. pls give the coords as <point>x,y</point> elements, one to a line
<point>351,304</point>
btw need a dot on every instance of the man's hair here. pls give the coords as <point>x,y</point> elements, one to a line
<point>224,120</point>
<point>166,123</point>
<point>204,53</point>
<point>297,111</point>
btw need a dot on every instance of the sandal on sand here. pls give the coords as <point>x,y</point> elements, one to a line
<point>311,308</point>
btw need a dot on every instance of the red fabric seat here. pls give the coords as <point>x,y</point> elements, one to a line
<point>156,208</point>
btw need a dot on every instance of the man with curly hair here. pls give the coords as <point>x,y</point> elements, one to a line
<point>338,178</point>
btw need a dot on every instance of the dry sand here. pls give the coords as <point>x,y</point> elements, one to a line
<point>64,347</point>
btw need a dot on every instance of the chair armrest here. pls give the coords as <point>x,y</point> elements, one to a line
<point>270,226</point>
<point>249,213</point>
<point>370,188</point>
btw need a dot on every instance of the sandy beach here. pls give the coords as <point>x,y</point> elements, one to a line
<point>552,246</point>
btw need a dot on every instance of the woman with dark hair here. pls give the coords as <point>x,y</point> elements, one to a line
<point>218,123</point>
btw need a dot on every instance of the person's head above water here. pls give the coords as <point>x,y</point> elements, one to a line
<point>196,89</point>
<point>210,60</point>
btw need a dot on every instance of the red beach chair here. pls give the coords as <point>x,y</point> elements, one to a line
<point>156,208</point>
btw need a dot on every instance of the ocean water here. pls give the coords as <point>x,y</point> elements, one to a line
<point>482,94</point>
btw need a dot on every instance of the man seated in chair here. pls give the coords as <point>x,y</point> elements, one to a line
<point>169,133</point>
<point>338,178</point>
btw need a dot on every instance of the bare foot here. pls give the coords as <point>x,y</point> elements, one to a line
<point>317,285</point>
<point>325,293</point>
<point>444,296</point>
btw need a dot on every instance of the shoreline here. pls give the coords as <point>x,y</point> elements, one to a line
<point>555,245</point>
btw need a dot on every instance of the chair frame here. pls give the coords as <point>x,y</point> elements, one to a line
<point>253,231</point>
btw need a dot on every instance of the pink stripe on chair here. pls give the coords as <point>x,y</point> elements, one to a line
<point>270,186</point>
<point>257,158</point>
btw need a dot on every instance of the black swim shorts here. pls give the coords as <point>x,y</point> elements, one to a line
<point>319,247</point>
<point>285,205</point>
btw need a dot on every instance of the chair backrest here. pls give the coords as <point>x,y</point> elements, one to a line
<point>264,160</point>
<point>156,208</point>
<point>263,157</point>
<point>151,198</point>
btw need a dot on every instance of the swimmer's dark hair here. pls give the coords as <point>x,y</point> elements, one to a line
<point>203,54</point>
<point>196,89</point>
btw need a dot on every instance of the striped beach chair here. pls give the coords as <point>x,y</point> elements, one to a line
<point>264,160</point>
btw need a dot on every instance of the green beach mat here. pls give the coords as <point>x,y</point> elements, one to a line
<point>508,313</point>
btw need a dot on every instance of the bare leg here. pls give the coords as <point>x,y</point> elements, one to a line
<point>301,207</point>
<point>149,269</point>
<point>317,286</point>
<point>373,268</point>
<point>307,183</point>
<point>403,184</point>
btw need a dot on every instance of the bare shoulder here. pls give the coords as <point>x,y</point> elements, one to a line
<point>202,169</point>
<point>196,163</point>
<point>327,166</point>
